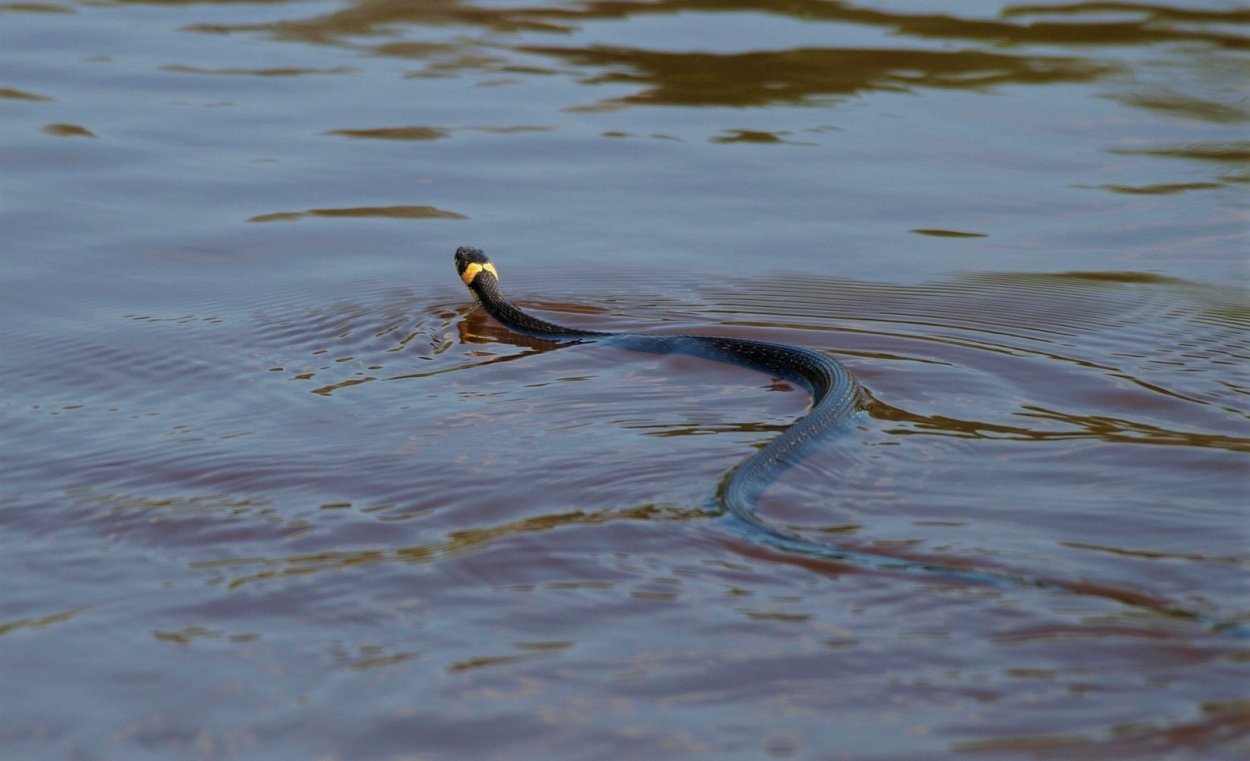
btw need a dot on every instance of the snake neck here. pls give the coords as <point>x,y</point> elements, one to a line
<point>486,287</point>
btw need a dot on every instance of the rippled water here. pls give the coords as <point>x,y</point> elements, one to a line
<point>274,488</point>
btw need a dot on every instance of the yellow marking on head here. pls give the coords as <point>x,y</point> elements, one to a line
<point>473,269</point>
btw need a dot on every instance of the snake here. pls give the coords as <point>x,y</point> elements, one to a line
<point>837,398</point>
<point>838,401</point>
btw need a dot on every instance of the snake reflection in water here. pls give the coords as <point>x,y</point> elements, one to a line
<point>837,402</point>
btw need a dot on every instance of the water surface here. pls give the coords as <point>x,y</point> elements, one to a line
<point>274,488</point>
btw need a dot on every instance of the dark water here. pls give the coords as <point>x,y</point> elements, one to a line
<point>274,489</point>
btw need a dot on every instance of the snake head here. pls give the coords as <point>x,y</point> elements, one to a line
<point>471,262</point>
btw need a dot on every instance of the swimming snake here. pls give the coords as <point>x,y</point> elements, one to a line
<point>836,397</point>
<point>837,402</point>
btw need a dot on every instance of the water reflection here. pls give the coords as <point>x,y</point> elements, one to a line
<point>392,212</point>
<point>285,71</point>
<point>1158,189</point>
<point>1151,24</point>
<point>420,132</point>
<point>1236,153</point>
<point>67,130</point>
<point>258,569</point>
<point>14,94</point>
<point>795,76</point>
<point>1164,99</point>
<point>753,77</point>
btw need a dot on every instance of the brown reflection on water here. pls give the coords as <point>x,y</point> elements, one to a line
<point>1159,189</point>
<point>935,233</point>
<point>284,71</point>
<point>1219,724</point>
<point>39,622</point>
<point>415,132</point>
<point>796,75</point>
<point>391,212</point>
<point>371,17</point>
<point>421,132</point>
<point>1154,23</point>
<point>1235,152</point>
<point>754,78</point>
<point>240,571</point>
<point>13,94</point>
<point>1163,99</point>
<point>67,130</point>
<point>1076,427</point>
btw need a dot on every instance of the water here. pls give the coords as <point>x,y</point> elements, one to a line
<point>273,488</point>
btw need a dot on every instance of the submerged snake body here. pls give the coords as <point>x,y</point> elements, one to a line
<point>836,397</point>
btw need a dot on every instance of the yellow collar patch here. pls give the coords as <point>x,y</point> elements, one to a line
<point>473,269</point>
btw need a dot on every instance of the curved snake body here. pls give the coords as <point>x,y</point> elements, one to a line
<point>837,399</point>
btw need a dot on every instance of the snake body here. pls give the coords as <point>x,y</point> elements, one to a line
<point>836,397</point>
<point>837,400</point>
